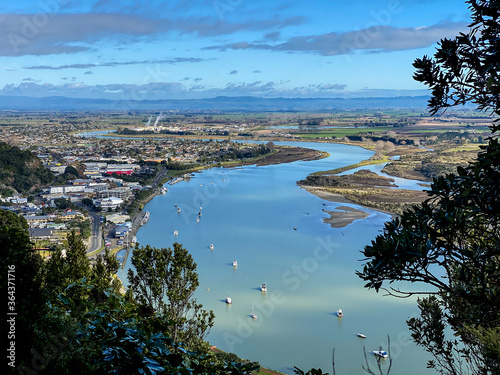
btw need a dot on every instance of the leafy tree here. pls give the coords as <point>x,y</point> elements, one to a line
<point>450,242</point>
<point>106,265</point>
<point>71,172</point>
<point>85,228</point>
<point>72,320</point>
<point>87,202</point>
<point>67,265</point>
<point>466,68</point>
<point>164,282</point>
<point>64,204</point>
<point>21,279</point>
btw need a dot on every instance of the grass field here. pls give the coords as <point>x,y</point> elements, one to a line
<point>342,132</point>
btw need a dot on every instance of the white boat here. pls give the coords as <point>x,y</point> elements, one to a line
<point>380,353</point>
<point>176,232</point>
<point>197,220</point>
<point>360,335</point>
<point>228,300</point>
<point>235,263</point>
<point>340,314</point>
<point>263,288</point>
<point>178,210</point>
<point>211,246</point>
<point>253,315</point>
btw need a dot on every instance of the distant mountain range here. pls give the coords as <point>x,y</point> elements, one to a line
<point>220,103</point>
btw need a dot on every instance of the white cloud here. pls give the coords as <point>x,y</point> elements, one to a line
<point>377,39</point>
<point>55,33</point>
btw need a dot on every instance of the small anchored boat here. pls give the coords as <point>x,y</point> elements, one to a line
<point>228,300</point>
<point>178,210</point>
<point>235,263</point>
<point>360,335</point>
<point>211,246</point>
<point>263,288</point>
<point>176,232</point>
<point>340,314</point>
<point>380,353</point>
<point>253,315</point>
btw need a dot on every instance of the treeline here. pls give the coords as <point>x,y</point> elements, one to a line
<point>363,177</point>
<point>22,170</point>
<point>248,152</point>
<point>385,138</point>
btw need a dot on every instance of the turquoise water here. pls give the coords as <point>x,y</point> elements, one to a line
<point>249,214</point>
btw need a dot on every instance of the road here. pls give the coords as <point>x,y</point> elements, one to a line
<point>96,237</point>
<point>159,177</point>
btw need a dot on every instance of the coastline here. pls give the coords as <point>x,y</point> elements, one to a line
<point>345,215</point>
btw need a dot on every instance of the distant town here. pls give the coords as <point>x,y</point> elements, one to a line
<point>99,185</point>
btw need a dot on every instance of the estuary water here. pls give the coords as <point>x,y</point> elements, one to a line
<point>275,230</point>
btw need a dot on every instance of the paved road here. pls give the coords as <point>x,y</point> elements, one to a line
<point>96,238</point>
<point>159,177</point>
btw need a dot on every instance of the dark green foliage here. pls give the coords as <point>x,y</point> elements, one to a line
<point>72,319</point>
<point>467,68</point>
<point>64,204</point>
<point>85,228</point>
<point>22,170</point>
<point>67,265</point>
<point>18,256</point>
<point>451,241</point>
<point>164,282</point>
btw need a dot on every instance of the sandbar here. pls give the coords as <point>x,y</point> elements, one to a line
<point>343,216</point>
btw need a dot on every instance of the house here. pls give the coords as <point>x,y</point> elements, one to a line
<point>41,233</point>
<point>70,215</point>
<point>37,220</point>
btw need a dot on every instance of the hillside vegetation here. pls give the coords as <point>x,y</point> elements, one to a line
<point>21,171</point>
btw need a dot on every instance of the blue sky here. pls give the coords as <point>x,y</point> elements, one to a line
<point>129,49</point>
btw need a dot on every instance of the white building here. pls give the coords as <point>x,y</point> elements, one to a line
<point>106,203</point>
<point>66,189</point>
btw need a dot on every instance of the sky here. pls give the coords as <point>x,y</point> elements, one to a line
<point>189,49</point>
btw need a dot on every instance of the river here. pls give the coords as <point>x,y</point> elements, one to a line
<point>275,230</point>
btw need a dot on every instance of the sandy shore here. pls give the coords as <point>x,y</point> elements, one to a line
<point>343,215</point>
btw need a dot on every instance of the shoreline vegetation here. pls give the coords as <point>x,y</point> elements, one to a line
<point>363,188</point>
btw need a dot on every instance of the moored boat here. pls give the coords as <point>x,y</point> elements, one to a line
<point>263,288</point>
<point>228,300</point>
<point>253,315</point>
<point>340,314</point>
<point>380,353</point>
